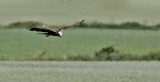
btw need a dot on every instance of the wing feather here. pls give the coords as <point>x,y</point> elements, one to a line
<point>67,27</point>
<point>40,29</point>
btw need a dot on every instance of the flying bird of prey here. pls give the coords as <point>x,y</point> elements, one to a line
<point>49,32</point>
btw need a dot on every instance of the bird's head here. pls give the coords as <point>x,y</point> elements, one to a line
<point>60,33</point>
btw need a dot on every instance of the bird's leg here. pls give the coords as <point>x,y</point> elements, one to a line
<point>47,35</point>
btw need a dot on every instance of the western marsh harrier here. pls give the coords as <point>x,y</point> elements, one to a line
<point>49,32</point>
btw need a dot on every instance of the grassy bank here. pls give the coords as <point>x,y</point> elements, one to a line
<point>94,24</point>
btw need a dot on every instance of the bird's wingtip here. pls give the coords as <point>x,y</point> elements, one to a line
<point>82,20</point>
<point>29,27</point>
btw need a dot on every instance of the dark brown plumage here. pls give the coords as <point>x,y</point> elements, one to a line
<point>49,32</point>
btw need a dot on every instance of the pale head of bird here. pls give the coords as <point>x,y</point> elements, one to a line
<point>60,33</point>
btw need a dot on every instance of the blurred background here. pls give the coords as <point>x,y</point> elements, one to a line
<point>119,41</point>
<point>69,11</point>
<point>113,30</point>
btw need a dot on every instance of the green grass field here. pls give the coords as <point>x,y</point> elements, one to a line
<point>58,12</point>
<point>21,44</point>
<point>79,71</point>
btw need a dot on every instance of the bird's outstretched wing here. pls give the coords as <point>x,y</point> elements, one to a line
<point>39,29</point>
<point>67,27</point>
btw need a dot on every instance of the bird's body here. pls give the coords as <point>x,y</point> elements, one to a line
<point>49,32</point>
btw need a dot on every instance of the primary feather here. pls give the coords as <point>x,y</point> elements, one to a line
<point>67,27</point>
<point>40,29</point>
